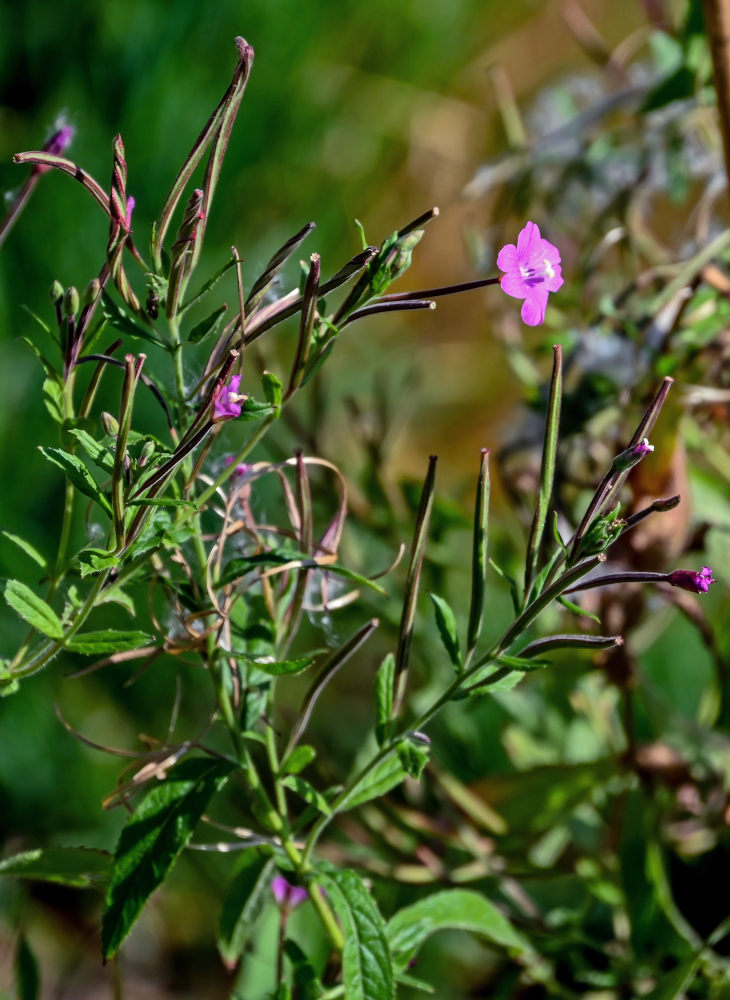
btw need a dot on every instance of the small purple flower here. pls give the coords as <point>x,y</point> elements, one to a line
<point>288,896</point>
<point>227,401</point>
<point>643,447</point>
<point>57,143</point>
<point>696,583</point>
<point>130,208</point>
<point>242,469</point>
<point>532,271</point>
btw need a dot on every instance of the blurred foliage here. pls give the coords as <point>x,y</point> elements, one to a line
<point>592,802</point>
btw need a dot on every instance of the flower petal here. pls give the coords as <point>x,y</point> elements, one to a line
<point>507,258</point>
<point>533,308</point>
<point>527,239</point>
<point>515,285</point>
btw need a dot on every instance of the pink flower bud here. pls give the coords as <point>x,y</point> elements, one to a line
<point>696,583</point>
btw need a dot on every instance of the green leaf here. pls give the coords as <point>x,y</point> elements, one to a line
<point>29,549</point>
<point>385,775</point>
<point>53,399</point>
<point>384,680</point>
<point>413,756</point>
<point>253,410</point>
<point>576,609</point>
<point>306,983</point>
<point>280,667</point>
<point>308,792</point>
<point>100,454</point>
<point>33,609</point>
<point>96,560</point>
<point>298,759</point>
<point>76,471</point>
<point>366,962</point>
<point>153,837</point>
<point>123,320</point>
<point>27,975</point>
<point>273,389</point>
<point>242,904</point>
<point>238,567</point>
<point>106,641</point>
<point>446,623</point>
<point>454,909</point>
<point>207,326</point>
<point>77,867</point>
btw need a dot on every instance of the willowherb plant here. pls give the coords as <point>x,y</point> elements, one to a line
<point>178,516</point>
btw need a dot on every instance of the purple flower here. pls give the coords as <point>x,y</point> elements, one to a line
<point>643,447</point>
<point>532,270</point>
<point>288,896</point>
<point>696,583</point>
<point>227,401</point>
<point>242,469</point>
<point>57,144</point>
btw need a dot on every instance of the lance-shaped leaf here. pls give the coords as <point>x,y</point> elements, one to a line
<point>30,550</point>
<point>242,904</point>
<point>479,558</point>
<point>33,609</point>
<point>366,962</point>
<point>454,909</point>
<point>384,698</point>
<point>446,624</point>
<point>77,867</point>
<point>154,836</point>
<point>106,641</point>
<point>408,615</point>
<point>547,471</point>
<point>79,475</point>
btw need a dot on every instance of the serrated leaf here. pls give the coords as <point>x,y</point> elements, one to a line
<point>33,609</point>
<point>454,909</point>
<point>152,839</point>
<point>384,680</point>
<point>385,775</point>
<point>446,623</point>
<point>77,472</point>
<point>308,792</point>
<point>29,549</point>
<point>77,867</point>
<point>96,560</point>
<point>106,641</point>
<point>366,961</point>
<point>242,905</point>
<point>278,668</point>
<point>206,326</point>
<point>298,759</point>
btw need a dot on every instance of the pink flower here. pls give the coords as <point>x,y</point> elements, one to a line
<point>643,447</point>
<point>227,401</point>
<point>57,143</point>
<point>288,896</point>
<point>697,583</point>
<point>532,270</point>
<point>242,469</point>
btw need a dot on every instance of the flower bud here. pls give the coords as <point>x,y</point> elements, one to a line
<point>696,583</point>
<point>110,424</point>
<point>71,301</point>
<point>56,293</point>
<point>91,292</point>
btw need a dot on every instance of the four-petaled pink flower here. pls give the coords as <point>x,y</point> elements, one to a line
<point>227,401</point>
<point>288,896</point>
<point>696,583</point>
<point>532,271</point>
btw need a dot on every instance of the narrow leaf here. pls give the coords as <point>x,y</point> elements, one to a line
<point>106,641</point>
<point>386,774</point>
<point>77,867</point>
<point>33,609</point>
<point>27,975</point>
<point>479,559</point>
<point>78,474</point>
<point>308,792</point>
<point>242,905</point>
<point>446,623</point>
<point>154,836</point>
<point>207,326</point>
<point>279,668</point>
<point>29,549</point>
<point>366,962</point>
<point>298,759</point>
<point>384,698</point>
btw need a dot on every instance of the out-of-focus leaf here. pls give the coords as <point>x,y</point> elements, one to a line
<point>77,867</point>
<point>242,904</point>
<point>446,623</point>
<point>154,836</point>
<point>298,759</point>
<point>384,680</point>
<point>455,909</point>
<point>27,975</point>
<point>30,550</point>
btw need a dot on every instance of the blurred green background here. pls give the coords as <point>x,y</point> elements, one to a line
<point>367,110</point>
